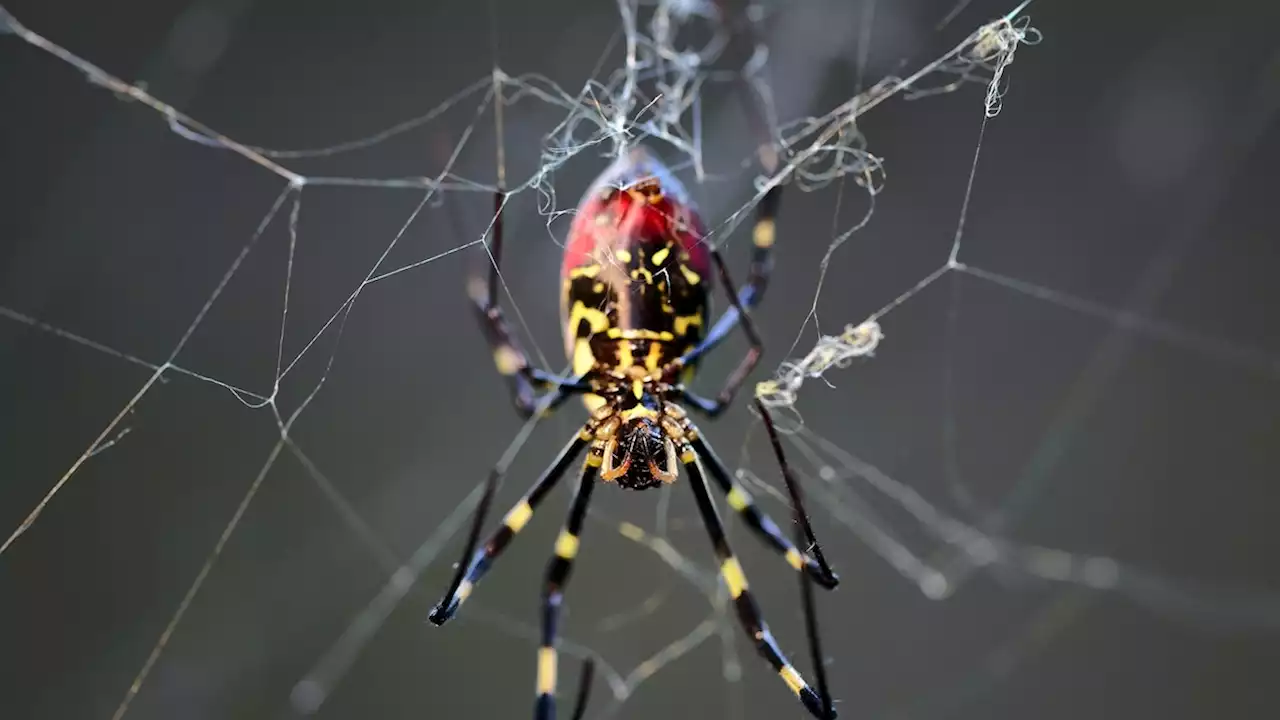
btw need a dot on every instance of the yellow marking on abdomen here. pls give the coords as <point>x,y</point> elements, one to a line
<point>738,499</point>
<point>583,358</point>
<point>684,322</point>
<point>653,360</point>
<point>616,333</point>
<point>733,576</point>
<point>595,317</point>
<point>546,671</point>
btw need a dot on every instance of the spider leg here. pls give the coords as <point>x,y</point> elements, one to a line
<point>764,231</point>
<point>793,487</point>
<point>557,577</point>
<point>748,612</point>
<point>811,621</point>
<point>584,688</point>
<point>528,385</point>
<point>813,562</point>
<point>465,579</point>
<point>762,235</point>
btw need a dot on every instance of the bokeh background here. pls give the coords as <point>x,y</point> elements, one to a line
<point>1133,165</point>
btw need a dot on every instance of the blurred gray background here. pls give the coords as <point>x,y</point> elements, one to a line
<point>1133,165</point>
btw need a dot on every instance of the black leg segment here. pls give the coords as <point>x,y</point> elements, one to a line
<point>553,594</point>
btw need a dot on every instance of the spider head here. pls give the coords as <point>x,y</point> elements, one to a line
<point>639,454</point>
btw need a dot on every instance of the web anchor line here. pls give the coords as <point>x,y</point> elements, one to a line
<point>974,549</point>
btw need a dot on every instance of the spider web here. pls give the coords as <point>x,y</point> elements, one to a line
<point>674,58</point>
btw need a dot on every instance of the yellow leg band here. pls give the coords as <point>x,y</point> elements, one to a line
<point>795,559</point>
<point>567,545</point>
<point>519,516</point>
<point>546,671</point>
<point>733,576</point>
<point>792,679</point>
<point>763,234</point>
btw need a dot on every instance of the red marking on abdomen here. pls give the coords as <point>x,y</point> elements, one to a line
<point>620,219</point>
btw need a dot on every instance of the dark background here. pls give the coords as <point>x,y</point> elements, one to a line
<point>1133,165</point>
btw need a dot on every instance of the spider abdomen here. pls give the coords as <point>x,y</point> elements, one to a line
<point>651,355</point>
<point>635,273</point>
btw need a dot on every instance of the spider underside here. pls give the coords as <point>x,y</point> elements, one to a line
<point>636,280</point>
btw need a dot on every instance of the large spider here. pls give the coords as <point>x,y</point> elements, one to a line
<point>636,278</point>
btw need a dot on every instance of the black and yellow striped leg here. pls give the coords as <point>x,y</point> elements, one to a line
<point>553,592</point>
<point>734,383</point>
<point>762,525</point>
<point>762,236</point>
<point>764,232</point>
<point>527,384</point>
<point>748,612</point>
<point>464,581</point>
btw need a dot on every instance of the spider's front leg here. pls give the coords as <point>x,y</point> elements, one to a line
<point>479,559</point>
<point>468,575</point>
<point>763,234</point>
<point>528,385</point>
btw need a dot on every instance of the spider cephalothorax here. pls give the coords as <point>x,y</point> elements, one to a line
<point>639,456</point>
<point>639,443</point>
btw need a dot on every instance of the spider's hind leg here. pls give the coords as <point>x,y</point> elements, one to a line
<point>812,562</point>
<point>749,615</point>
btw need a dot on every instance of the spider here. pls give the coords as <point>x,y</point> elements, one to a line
<point>636,280</point>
